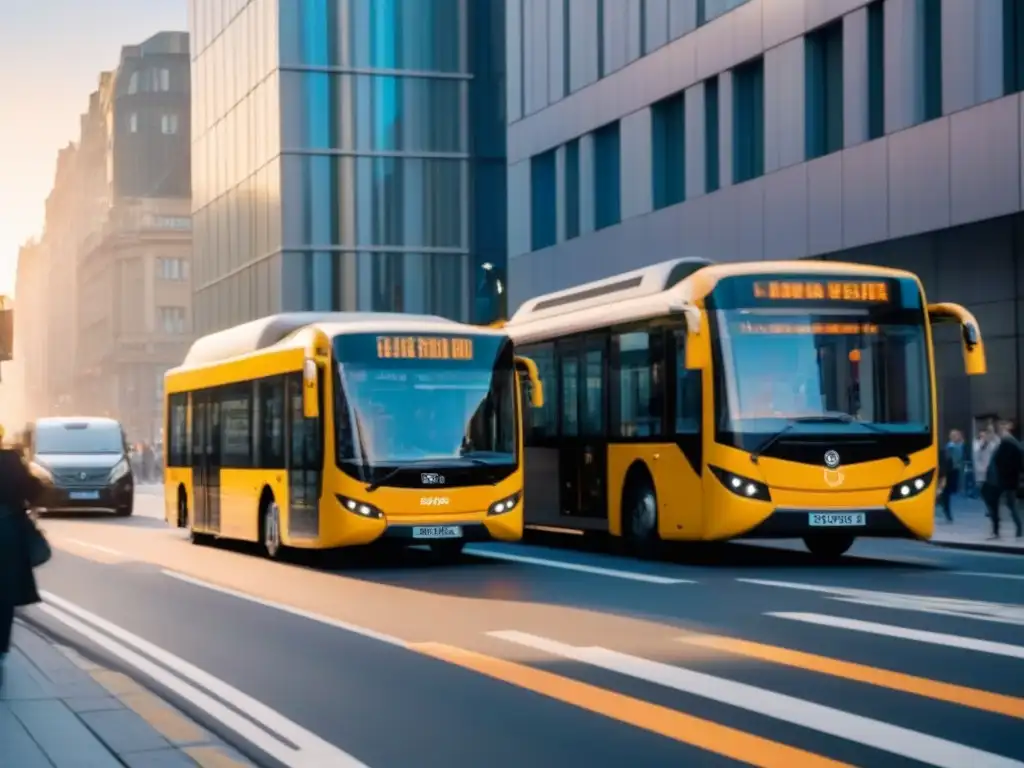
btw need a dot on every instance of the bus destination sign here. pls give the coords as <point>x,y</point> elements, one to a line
<point>424,348</point>
<point>872,292</point>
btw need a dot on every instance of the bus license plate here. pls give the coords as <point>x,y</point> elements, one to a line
<point>437,532</point>
<point>84,495</point>
<point>844,520</point>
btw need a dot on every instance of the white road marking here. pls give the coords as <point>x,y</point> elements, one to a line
<point>835,722</point>
<point>336,623</point>
<point>998,613</point>
<point>96,547</point>
<point>1013,576</point>
<point>564,566</point>
<point>904,633</point>
<point>305,750</point>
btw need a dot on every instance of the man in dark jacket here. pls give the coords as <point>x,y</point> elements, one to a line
<point>18,489</point>
<point>1003,478</point>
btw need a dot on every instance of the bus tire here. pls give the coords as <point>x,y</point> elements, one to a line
<point>447,551</point>
<point>640,512</point>
<point>830,547</point>
<point>270,528</point>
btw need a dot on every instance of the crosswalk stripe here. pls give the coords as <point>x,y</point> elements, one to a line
<point>903,633</point>
<point>818,717</point>
<point>703,734</point>
<point>897,681</point>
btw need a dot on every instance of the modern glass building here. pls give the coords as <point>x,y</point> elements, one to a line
<point>875,131</point>
<point>348,155</point>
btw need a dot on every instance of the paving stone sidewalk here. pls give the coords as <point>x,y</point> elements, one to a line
<point>59,710</point>
<point>971,528</point>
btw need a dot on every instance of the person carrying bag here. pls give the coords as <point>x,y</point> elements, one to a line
<point>22,545</point>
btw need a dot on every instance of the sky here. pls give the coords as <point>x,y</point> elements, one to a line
<point>51,56</point>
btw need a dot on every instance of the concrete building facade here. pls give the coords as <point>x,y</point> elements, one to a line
<point>347,155</point>
<point>885,132</point>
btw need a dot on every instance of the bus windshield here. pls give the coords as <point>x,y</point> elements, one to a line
<point>425,398</point>
<point>801,349</point>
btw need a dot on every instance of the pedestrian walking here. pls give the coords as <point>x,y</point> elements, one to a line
<point>950,471</point>
<point>1003,478</point>
<point>22,546</point>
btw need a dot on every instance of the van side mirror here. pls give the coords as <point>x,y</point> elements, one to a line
<point>527,369</point>
<point>971,343</point>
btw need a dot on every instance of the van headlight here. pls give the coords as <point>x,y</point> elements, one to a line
<point>908,489</point>
<point>119,471</point>
<point>507,504</point>
<point>360,508</point>
<point>742,486</point>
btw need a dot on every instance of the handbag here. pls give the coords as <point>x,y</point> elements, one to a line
<point>39,551</point>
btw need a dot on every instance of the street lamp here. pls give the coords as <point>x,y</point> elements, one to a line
<point>492,296</point>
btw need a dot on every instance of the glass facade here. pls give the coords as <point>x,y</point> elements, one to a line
<point>335,157</point>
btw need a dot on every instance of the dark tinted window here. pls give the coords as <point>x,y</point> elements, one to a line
<point>177,431</point>
<point>236,425</point>
<point>271,423</point>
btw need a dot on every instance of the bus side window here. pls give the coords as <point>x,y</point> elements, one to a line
<point>271,424</point>
<point>688,390</point>
<point>178,446</point>
<point>543,421</point>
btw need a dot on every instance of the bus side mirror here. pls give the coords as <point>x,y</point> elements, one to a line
<point>527,369</point>
<point>697,348</point>
<point>310,389</point>
<point>971,343</point>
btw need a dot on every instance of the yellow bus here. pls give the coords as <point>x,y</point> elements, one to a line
<point>326,430</point>
<point>694,401</point>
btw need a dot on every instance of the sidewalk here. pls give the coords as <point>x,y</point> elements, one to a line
<point>971,528</point>
<point>58,710</point>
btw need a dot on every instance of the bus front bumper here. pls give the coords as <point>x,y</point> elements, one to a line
<point>794,523</point>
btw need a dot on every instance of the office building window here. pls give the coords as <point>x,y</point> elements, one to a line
<point>823,72</point>
<point>566,48</point>
<point>712,181</point>
<point>133,84</point>
<point>1013,46</point>
<point>876,69</point>
<point>748,121</point>
<point>133,122</point>
<point>572,189</point>
<point>169,124</point>
<point>172,269</point>
<point>712,9</point>
<point>164,80</point>
<point>171,319</point>
<point>543,191</point>
<point>931,52</point>
<point>607,177</point>
<point>600,37</point>
<point>668,151</point>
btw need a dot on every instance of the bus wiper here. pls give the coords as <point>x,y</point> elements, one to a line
<point>374,485</point>
<point>834,417</point>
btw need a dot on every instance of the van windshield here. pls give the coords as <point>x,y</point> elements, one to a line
<point>78,438</point>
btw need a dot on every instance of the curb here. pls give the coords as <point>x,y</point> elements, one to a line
<point>980,546</point>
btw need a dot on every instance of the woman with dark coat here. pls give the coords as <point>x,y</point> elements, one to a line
<point>18,490</point>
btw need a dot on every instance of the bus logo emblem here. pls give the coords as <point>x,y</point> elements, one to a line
<point>432,478</point>
<point>831,459</point>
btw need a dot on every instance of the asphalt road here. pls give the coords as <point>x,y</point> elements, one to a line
<point>901,654</point>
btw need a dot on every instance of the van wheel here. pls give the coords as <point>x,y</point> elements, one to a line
<point>829,547</point>
<point>640,514</point>
<point>270,530</point>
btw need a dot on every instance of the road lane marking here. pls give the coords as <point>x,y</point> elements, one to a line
<point>704,734</point>
<point>861,673</point>
<point>282,739</point>
<point>97,547</point>
<point>818,717</point>
<point>1013,576</point>
<point>978,610</point>
<point>903,633</point>
<point>592,569</point>
<point>317,617</point>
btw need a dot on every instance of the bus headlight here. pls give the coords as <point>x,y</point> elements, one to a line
<point>908,489</point>
<point>742,486</point>
<point>360,508</point>
<point>501,506</point>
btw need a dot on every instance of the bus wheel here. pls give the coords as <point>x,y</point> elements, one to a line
<point>447,551</point>
<point>270,534</point>
<point>830,547</point>
<point>640,514</point>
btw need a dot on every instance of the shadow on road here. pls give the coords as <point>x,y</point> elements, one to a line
<point>105,518</point>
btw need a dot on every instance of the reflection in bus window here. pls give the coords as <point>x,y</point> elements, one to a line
<point>638,374</point>
<point>688,384</point>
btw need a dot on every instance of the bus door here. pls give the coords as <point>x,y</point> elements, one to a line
<point>304,462</point>
<point>583,459</point>
<point>206,461</point>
